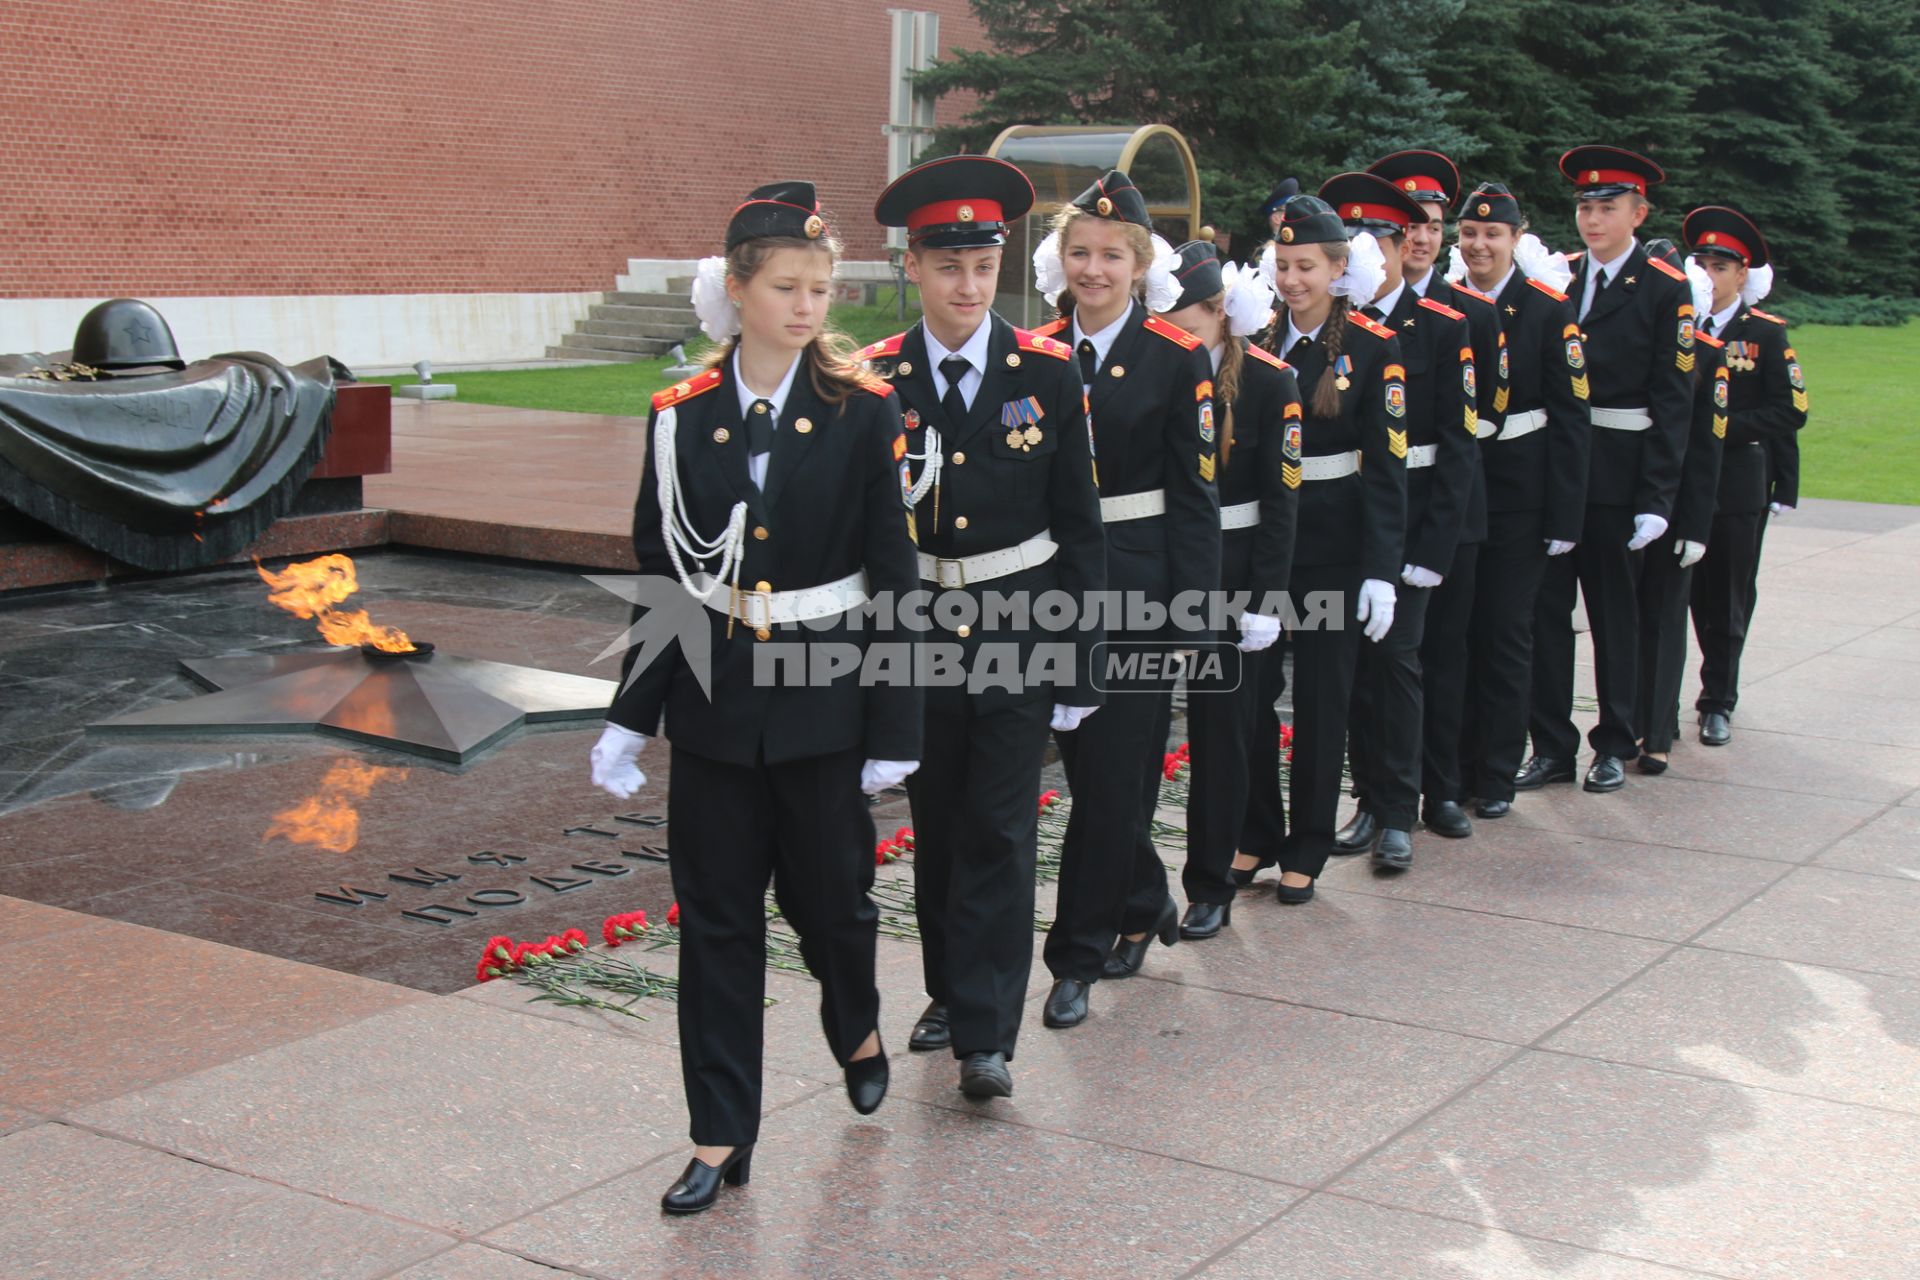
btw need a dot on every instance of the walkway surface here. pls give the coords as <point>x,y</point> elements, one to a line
<point>1669,1032</point>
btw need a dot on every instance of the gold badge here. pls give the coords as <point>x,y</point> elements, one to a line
<point>1015,440</point>
<point>1341,383</point>
<point>1712,237</point>
<point>904,368</point>
<point>1286,235</point>
<point>1485,208</point>
<point>721,435</point>
<point>1032,435</point>
<point>814,226</point>
<point>1013,359</point>
<point>1593,175</point>
<point>965,213</point>
<point>1104,207</point>
<point>802,425</point>
<point>1411,185</point>
<point>1119,371</point>
<point>759,406</point>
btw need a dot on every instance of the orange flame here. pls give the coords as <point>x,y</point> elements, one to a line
<point>328,818</point>
<point>312,588</point>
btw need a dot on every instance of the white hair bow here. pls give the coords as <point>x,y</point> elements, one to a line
<point>1163,286</point>
<point>1366,270</point>
<point>1759,284</point>
<point>719,319</point>
<point>1049,273</point>
<point>1550,269</point>
<point>1247,299</point>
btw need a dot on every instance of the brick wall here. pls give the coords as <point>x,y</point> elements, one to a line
<point>254,147</point>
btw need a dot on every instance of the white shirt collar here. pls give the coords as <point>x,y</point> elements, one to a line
<point>778,399</point>
<point>974,351</point>
<point>1294,335</point>
<point>1613,268</point>
<point>1505,280</point>
<point>1103,340</point>
<point>1386,305</point>
<point>1721,319</point>
<point>1421,285</point>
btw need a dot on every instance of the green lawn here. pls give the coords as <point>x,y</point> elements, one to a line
<point>1860,442</point>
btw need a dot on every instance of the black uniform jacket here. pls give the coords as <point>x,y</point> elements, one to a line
<point>1545,471</point>
<point>1767,406</point>
<point>1492,376</point>
<point>1151,421</point>
<point>832,506</point>
<point>1639,351</point>
<point>1694,503</point>
<point>1358,517</point>
<point>1443,410</point>
<point>1267,434</point>
<point>1019,465</point>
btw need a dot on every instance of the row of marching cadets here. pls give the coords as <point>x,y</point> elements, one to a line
<point>1430,451</point>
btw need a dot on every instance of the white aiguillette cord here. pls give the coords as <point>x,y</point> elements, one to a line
<point>679,534</point>
<point>930,462</point>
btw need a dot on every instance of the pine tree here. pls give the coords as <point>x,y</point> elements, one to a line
<point>1875,46</point>
<point>1391,101</point>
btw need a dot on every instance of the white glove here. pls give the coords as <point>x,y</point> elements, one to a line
<point>1066,719</point>
<point>1257,631</point>
<point>1689,552</point>
<point>1646,528</point>
<point>1376,608</point>
<point>877,775</point>
<point>1778,508</point>
<point>1555,547</point>
<point>613,760</point>
<point>1415,576</point>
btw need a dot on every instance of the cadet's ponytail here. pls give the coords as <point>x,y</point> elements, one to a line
<point>1326,392</point>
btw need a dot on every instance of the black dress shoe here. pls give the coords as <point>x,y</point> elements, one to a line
<point>867,1082</point>
<point>932,1031</point>
<point>1129,954</point>
<point>1716,729</point>
<point>1395,850</point>
<point>985,1075</point>
<point>1447,818</point>
<point>1066,1004</point>
<point>1607,774</point>
<point>1540,770</point>
<point>1293,897</point>
<point>699,1185</point>
<point>1493,809</point>
<point>1244,879</point>
<point>1206,919</point>
<point>1357,836</point>
<point>1651,765</point>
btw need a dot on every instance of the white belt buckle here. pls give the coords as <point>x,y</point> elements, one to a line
<point>958,568</point>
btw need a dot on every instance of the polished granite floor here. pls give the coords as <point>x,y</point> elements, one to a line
<point>1671,1032</point>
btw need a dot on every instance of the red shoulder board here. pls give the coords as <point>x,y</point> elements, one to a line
<point>1461,286</point>
<point>1547,289</point>
<point>884,347</point>
<point>1031,341</point>
<point>1765,315</point>
<point>683,391</point>
<point>1172,333</point>
<point>1661,264</point>
<point>1443,309</point>
<point>1576,255</point>
<point>1709,339</point>
<point>1052,327</point>
<point>875,385</point>
<point>1373,327</point>
<point>1261,353</point>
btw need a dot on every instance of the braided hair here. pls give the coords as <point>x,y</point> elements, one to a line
<point>1326,392</point>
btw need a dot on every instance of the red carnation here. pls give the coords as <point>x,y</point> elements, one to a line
<point>903,839</point>
<point>673,915</point>
<point>884,852</point>
<point>623,928</point>
<point>1048,799</point>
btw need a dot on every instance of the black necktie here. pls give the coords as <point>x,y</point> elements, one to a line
<point>953,404</point>
<point>1089,360</point>
<point>1706,326</point>
<point>1372,312</point>
<point>760,421</point>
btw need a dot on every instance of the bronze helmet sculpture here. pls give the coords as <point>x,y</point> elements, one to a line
<point>125,333</point>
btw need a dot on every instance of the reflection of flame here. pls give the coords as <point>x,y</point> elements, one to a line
<point>312,588</point>
<point>327,818</point>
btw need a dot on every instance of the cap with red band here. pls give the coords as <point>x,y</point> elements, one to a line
<point>1371,202</point>
<point>956,202</point>
<point>1716,229</point>
<point>1601,173</point>
<point>1424,175</point>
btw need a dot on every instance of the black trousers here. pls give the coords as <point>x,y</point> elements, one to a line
<point>1264,828</point>
<point>1384,734</point>
<point>1609,577</point>
<point>1108,865</point>
<point>1500,668</point>
<point>975,824</point>
<point>1664,591</point>
<point>1444,666</point>
<point>1220,727</point>
<point>1324,661</point>
<point>1724,595</point>
<point>805,826</point>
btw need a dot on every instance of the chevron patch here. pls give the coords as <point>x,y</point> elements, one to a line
<point>1683,361</point>
<point>1580,388</point>
<point>1500,396</point>
<point>1206,467</point>
<point>1800,401</point>
<point>1473,421</point>
<point>1396,443</point>
<point>1290,474</point>
<point>1720,425</point>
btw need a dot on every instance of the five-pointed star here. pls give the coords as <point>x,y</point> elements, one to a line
<point>138,333</point>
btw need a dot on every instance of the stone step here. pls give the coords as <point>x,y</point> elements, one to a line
<point>680,285</point>
<point>589,353</point>
<point>622,329</point>
<point>682,301</point>
<point>643,315</point>
<point>610,342</point>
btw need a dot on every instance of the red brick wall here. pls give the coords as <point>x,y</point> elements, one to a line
<point>244,147</point>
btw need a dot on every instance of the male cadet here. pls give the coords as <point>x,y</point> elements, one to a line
<point>1384,732</point>
<point>1767,406</point>
<point>1434,183</point>
<point>1001,487</point>
<point>1636,322</point>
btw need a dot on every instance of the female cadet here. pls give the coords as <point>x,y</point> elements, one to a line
<point>1353,504</point>
<point>1259,479</point>
<point>777,467</point>
<point>1150,415</point>
<point>1536,469</point>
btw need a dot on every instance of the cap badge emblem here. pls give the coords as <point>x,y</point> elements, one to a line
<point>1485,208</point>
<point>1356,212</point>
<point>1286,235</point>
<point>1593,175</point>
<point>966,213</point>
<point>814,226</point>
<point>1104,207</point>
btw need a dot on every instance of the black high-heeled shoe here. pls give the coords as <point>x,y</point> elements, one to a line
<point>699,1185</point>
<point>1243,879</point>
<point>867,1082</point>
<point>1129,954</point>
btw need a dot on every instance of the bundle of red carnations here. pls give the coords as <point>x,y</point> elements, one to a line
<point>562,967</point>
<point>891,850</point>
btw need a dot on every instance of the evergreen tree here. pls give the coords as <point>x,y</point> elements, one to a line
<point>1875,46</point>
<point>1391,101</point>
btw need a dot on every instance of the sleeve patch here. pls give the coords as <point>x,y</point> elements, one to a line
<point>1396,442</point>
<point>899,448</point>
<point>1580,389</point>
<point>1203,390</point>
<point>1720,425</point>
<point>1206,467</point>
<point>1397,400</point>
<point>1395,371</point>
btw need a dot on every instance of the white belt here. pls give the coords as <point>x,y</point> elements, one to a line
<point>1134,506</point>
<point>988,565</point>
<point>1523,424</point>
<point>1422,455</point>
<point>1242,515</point>
<point>1621,419</point>
<point>763,609</point>
<point>1331,466</point>
<point>1485,429</point>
